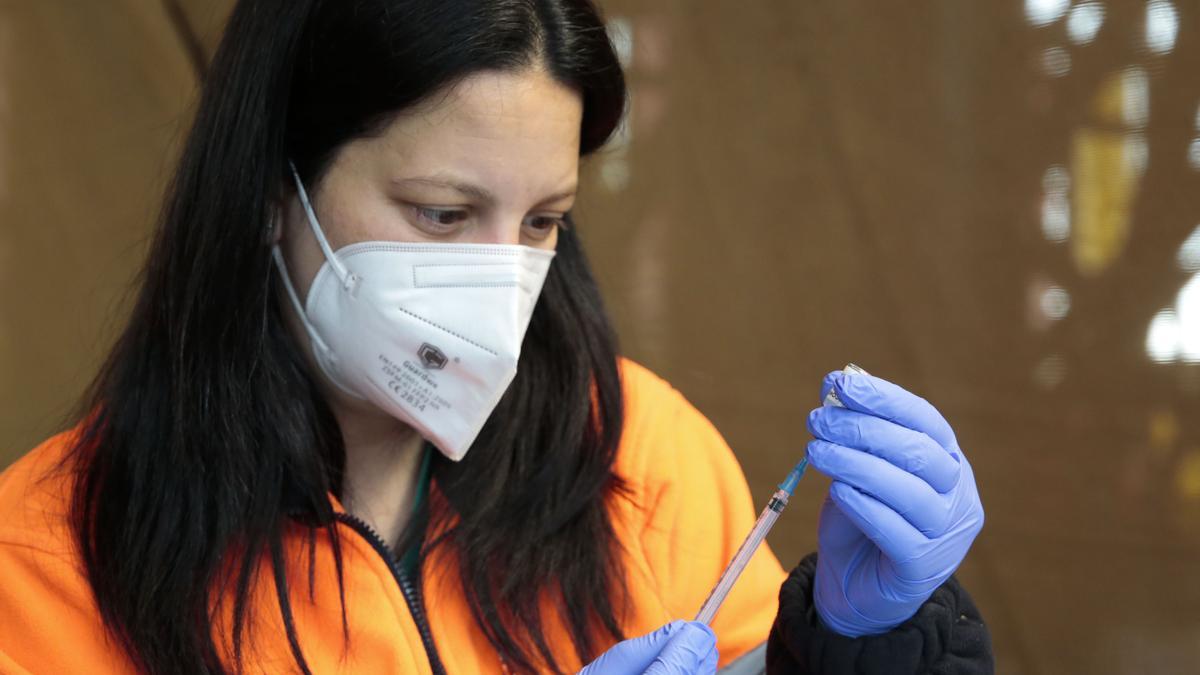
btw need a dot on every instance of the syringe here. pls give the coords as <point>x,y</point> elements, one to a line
<point>759,532</point>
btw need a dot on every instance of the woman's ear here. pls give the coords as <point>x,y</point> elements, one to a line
<point>276,225</point>
<point>277,207</point>
<point>274,228</point>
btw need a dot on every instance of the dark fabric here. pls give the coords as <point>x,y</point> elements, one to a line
<point>946,635</point>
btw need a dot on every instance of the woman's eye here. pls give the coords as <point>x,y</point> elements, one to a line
<point>441,218</point>
<point>544,224</point>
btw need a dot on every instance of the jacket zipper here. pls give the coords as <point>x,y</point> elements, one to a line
<point>410,590</point>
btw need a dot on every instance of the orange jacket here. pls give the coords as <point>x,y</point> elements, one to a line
<point>690,511</point>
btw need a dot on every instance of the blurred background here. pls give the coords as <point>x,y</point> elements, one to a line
<point>995,204</point>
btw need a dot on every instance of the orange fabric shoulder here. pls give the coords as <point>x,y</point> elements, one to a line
<point>49,622</point>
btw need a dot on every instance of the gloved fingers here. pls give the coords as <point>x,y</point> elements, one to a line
<point>709,665</point>
<point>895,536</point>
<point>912,451</point>
<point>634,656</point>
<point>688,651</point>
<point>828,382</point>
<point>836,530</point>
<point>878,397</point>
<point>902,492</point>
<point>968,506</point>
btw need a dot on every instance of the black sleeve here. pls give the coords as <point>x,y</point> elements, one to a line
<point>946,635</point>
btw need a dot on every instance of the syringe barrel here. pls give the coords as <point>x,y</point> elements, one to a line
<point>730,576</point>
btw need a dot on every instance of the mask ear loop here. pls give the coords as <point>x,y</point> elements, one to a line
<point>349,279</point>
<point>334,264</point>
<point>296,304</point>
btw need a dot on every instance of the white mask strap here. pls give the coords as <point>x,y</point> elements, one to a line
<point>291,291</point>
<point>339,269</point>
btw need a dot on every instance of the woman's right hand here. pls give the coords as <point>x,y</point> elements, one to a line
<point>675,649</point>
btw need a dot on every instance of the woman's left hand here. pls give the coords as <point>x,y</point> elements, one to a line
<point>678,648</point>
<point>902,510</point>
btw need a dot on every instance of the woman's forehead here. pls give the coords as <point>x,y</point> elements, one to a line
<point>516,132</point>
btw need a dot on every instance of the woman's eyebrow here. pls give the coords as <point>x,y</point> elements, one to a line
<point>480,193</point>
<point>559,196</point>
<point>471,190</point>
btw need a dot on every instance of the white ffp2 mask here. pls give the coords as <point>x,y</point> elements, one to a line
<point>428,332</point>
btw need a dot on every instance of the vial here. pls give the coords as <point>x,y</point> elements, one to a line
<point>832,398</point>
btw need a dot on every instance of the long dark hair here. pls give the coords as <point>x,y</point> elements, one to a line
<point>204,430</point>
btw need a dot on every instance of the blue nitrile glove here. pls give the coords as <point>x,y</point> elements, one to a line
<point>901,512</point>
<point>678,648</point>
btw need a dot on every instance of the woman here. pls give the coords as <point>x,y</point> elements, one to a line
<point>312,449</point>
